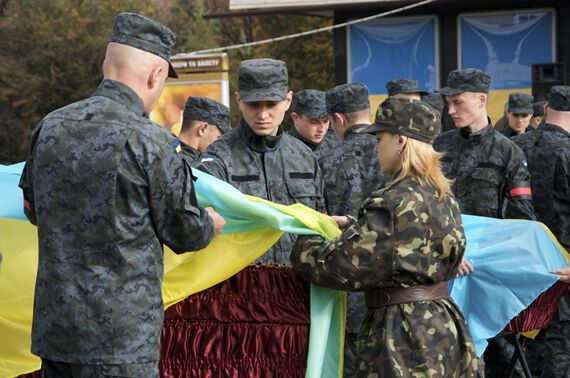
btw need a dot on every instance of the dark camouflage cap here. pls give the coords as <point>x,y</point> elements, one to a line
<point>435,100</point>
<point>412,118</point>
<point>559,98</point>
<point>538,109</point>
<point>403,86</point>
<point>347,98</point>
<point>207,110</point>
<point>520,103</point>
<point>310,102</point>
<point>262,80</point>
<point>142,33</point>
<point>467,80</point>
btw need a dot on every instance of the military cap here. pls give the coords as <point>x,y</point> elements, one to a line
<point>435,100</point>
<point>310,102</point>
<point>142,33</point>
<point>347,98</point>
<point>520,103</point>
<point>412,118</point>
<point>538,109</point>
<point>559,98</point>
<point>467,80</point>
<point>207,110</point>
<point>262,80</point>
<point>403,86</point>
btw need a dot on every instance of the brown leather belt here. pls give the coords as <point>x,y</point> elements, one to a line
<point>394,295</point>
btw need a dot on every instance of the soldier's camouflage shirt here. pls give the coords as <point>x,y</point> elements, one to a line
<point>351,171</point>
<point>490,173</point>
<point>192,155</point>
<point>279,169</point>
<point>404,236</point>
<point>328,143</point>
<point>106,188</point>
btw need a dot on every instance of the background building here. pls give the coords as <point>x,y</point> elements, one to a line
<point>505,38</point>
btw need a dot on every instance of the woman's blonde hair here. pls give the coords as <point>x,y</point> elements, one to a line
<point>421,161</point>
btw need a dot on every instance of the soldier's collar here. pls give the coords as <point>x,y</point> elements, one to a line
<point>297,135</point>
<point>256,142</point>
<point>189,150</point>
<point>477,136</point>
<point>555,128</point>
<point>355,129</point>
<point>122,94</point>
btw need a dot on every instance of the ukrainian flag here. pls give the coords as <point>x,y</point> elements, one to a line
<point>512,259</point>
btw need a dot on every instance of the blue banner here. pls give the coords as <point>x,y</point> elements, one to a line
<point>385,50</point>
<point>506,45</point>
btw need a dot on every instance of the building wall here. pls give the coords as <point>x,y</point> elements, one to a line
<point>448,41</point>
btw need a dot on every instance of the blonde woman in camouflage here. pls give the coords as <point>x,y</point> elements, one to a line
<point>405,245</point>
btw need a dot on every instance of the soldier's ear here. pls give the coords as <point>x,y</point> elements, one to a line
<point>401,141</point>
<point>154,77</point>
<point>202,129</point>
<point>294,116</point>
<point>237,97</point>
<point>289,99</point>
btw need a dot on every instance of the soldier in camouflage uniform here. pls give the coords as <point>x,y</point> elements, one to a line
<point>351,173</point>
<point>257,157</point>
<point>310,121</point>
<point>203,121</point>
<point>519,113</point>
<point>401,250</point>
<point>491,178</point>
<point>404,88</point>
<point>106,188</point>
<point>548,154</point>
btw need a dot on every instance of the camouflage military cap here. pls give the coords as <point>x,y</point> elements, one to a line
<point>263,80</point>
<point>142,33</point>
<point>435,100</point>
<point>412,118</point>
<point>467,80</point>
<point>347,98</point>
<point>560,98</point>
<point>403,86</point>
<point>520,103</point>
<point>310,102</point>
<point>207,110</point>
<point>538,109</point>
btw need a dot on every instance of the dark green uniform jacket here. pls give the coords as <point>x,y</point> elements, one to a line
<point>404,236</point>
<point>277,168</point>
<point>490,173</point>
<point>319,149</point>
<point>351,172</point>
<point>106,188</point>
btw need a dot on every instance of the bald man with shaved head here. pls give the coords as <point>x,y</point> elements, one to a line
<point>107,188</point>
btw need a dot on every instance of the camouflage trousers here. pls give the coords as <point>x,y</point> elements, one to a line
<point>53,369</point>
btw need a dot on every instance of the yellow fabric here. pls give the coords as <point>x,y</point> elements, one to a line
<point>190,273</point>
<point>185,274</point>
<point>17,281</point>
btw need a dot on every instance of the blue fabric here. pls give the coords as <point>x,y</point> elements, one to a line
<point>511,260</point>
<point>11,199</point>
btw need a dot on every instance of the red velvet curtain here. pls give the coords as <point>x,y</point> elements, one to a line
<point>540,312</point>
<point>255,324</point>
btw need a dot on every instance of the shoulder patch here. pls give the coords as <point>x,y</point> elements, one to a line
<point>207,158</point>
<point>176,146</point>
